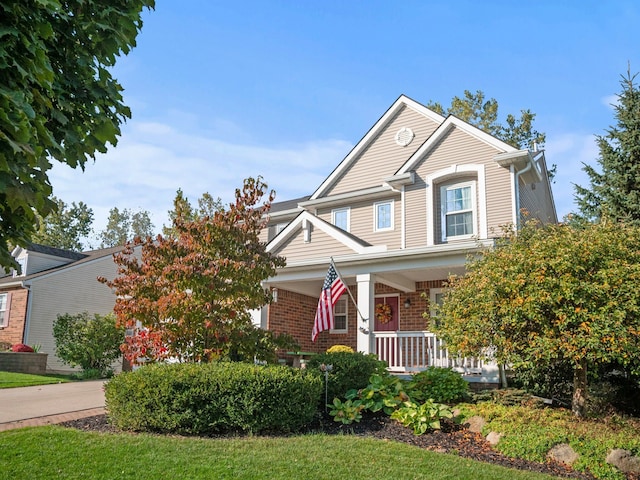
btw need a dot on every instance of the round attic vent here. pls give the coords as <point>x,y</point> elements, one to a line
<point>404,136</point>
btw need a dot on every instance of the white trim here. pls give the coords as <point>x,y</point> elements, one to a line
<point>433,292</point>
<point>447,125</point>
<point>450,173</point>
<point>306,219</point>
<point>403,220</point>
<point>341,209</point>
<point>376,218</point>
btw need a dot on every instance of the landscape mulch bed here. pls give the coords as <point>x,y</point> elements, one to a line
<point>452,439</point>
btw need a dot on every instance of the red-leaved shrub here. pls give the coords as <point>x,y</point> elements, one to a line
<point>21,347</point>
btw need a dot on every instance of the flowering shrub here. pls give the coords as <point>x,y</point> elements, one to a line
<point>339,348</point>
<point>21,347</point>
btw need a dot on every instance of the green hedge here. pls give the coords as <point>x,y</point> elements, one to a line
<point>201,399</point>
<point>349,370</point>
<point>442,385</point>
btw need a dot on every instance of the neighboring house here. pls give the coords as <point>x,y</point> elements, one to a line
<point>52,282</point>
<point>399,214</point>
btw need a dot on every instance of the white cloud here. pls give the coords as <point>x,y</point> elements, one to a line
<point>611,101</point>
<point>569,151</point>
<point>152,160</point>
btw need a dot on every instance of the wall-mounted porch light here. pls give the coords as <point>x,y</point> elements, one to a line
<point>407,303</point>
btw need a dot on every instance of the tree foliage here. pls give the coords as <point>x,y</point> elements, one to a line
<point>190,293</point>
<point>547,294</point>
<point>58,99</point>
<point>124,225</point>
<point>614,192</point>
<point>91,342</point>
<point>207,206</point>
<point>474,109</point>
<point>65,227</point>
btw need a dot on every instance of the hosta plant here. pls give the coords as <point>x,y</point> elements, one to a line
<point>421,418</point>
<point>346,412</point>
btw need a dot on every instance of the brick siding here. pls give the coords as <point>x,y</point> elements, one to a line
<point>13,333</point>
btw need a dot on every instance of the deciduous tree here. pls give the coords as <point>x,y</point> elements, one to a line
<point>58,98</point>
<point>551,293</point>
<point>474,109</point>
<point>614,191</point>
<point>124,225</point>
<point>66,227</point>
<point>191,292</point>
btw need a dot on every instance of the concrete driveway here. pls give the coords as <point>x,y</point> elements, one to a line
<point>44,404</point>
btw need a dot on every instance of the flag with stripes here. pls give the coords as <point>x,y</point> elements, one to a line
<point>332,289</point>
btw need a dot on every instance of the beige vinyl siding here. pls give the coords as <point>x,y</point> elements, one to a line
<point>362,221</point>
<point>416,213</point>
<point>321,246</point>
<point>383,156</point>
<point>73,290</point>
<point>456,148</point>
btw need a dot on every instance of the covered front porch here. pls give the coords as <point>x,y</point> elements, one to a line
<point>408,285</point>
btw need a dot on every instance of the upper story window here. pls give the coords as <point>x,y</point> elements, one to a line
<point>340,218</point>
<point>4,309</point>
<point>458,210</point>
<point>340,316</point>
<point>383,212</point>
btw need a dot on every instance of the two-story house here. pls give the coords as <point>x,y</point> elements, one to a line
<point>398,215</point>
<point>53,282</point>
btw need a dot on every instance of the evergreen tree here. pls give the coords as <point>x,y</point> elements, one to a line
<point>615,191</point>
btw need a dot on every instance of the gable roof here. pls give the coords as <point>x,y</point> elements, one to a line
<point>305,218</point>
<point>453,122</point>
<point>80,259</point>
<point>402,102</point>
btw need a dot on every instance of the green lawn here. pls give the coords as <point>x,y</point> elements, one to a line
<point>59,453</point>
<point>12,379</point>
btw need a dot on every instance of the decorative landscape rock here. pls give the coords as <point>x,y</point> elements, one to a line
<point>563,453</point>
<point>475,424</point>
<point>624,460</point>
<point>494,437</point>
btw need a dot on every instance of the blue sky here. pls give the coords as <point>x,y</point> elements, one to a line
<point>225,90</point>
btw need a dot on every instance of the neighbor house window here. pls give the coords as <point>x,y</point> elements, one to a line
<point>340,218</point>
<point>458,210</point>
<point>340,316</point>
<point>383,212</point>
<point>4,309</point>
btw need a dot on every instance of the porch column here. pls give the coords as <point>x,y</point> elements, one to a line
<point>366,284</point>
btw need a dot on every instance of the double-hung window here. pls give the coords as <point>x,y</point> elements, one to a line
<point>458,210</point>
<point>4,309</point>
<point>340,218</point>
<point>383,213</point>
<point>340,316</point>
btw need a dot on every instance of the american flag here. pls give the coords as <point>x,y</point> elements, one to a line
<point>332,289</point>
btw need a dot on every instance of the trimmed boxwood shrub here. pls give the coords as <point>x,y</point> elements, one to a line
<point>201,399</point>
<point>442,385</point>
<point>350,370</point>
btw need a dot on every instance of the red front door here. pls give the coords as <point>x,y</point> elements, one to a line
<point>386,317</point>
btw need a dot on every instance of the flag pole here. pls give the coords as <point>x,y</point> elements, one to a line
<point>348,290</point>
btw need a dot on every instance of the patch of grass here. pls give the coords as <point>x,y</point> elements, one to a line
<point>530,433</point>
<point>13,379</point>
<point>56,452</point>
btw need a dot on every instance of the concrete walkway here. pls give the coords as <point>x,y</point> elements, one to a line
<point>46,404</point>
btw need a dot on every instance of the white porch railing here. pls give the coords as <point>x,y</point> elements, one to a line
<point>409,352</point>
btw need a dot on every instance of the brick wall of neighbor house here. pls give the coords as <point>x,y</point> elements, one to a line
<point>14,331</point>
